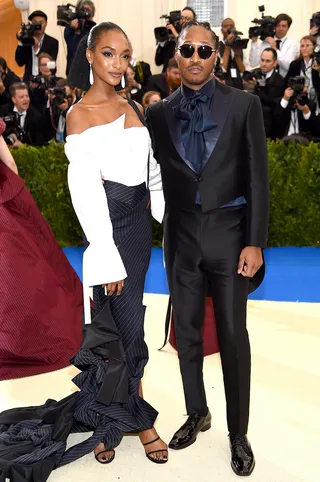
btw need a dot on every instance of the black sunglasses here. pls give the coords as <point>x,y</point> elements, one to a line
<point>204,51</point>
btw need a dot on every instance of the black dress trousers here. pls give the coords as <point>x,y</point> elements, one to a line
<point>201,249</point>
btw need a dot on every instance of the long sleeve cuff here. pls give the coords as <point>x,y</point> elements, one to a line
<point>284,103</point>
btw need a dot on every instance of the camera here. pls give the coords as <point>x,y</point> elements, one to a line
<point>297,83</point>
<point>315,21</point>
<point>237,42</point>
<point>220,74</point>
<point>27,33</point>
<point>316,54</point>
<point>265,26</point>
<point>13,129</point>
<point>67,13</point>
<point>249,75</point>
<point>60,95</point>
<point>162,33</point>
<point>302,99</point>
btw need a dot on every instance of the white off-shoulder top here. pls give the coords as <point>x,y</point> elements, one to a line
<point>116,154</point>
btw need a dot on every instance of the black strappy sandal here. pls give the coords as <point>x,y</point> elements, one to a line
<point>156,461</point>
<point>107,461</point>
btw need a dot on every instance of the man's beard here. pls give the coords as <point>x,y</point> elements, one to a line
<point>198,81</point>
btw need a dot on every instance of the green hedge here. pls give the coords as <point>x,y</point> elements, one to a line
<point>294,182</point>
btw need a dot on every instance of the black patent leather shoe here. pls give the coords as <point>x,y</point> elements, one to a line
<point>189,431</point>
<point>242,458</point>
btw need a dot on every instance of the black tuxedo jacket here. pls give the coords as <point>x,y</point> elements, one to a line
<point>34,126</point>
<point>24,54</point>
<point>270,95</point>
<point>158,83</point>
<point>237,164</point>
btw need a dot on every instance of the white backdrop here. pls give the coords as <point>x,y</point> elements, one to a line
<point>138,18</point>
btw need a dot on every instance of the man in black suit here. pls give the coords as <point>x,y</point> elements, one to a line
<point>269,88</point>
<point>31,124</point>
<point>166,83</point>
<point>27,55</point>
<point>296,115</point>
<point>210,142</point>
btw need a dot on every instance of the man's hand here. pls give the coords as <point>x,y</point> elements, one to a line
<point>314,30</point>
<point>174,33</point>
<point>229,39</point>
<point>304,108</point>
<point>271,41</point>
<point>250,261</point>
<point>17,144</point>
<point>116,287</point>
<point>288,93</point>
<point>75,24</point>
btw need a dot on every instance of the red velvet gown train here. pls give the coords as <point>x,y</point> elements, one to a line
<point>41,299</point>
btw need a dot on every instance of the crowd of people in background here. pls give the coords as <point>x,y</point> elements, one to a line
<point>283,72</point>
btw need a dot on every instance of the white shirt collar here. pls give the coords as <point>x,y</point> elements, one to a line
<point>24,113</point>
<point>269,74</point>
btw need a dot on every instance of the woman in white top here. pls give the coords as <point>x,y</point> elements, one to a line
<point>110,172</point>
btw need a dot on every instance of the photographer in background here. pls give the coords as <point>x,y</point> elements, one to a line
<point>315,27</point>
<point>29,128</point>
<point>287,49</point>
<point>231,57</point>
<point>166,50</point>
<point>40,84</point>
<point>78,29</point>
<point>168,82</point>
<point>33,42</point>
<point>60,100</point>
<point>7,78</point>
<point>307,66</point>
<point>296,112</point>
<point>269,86</point>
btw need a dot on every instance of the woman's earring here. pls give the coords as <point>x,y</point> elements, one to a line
<point>91,79</point>
<point>123,82</point>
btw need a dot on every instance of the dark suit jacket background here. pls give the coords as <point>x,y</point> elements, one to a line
<point>295,69</point>
<point>158,83</point>
<point>165,53</point>
<point>237,166</point>
<point>34,127</point>
<point>24,54</point>
<point>309,128</point>
<point>270,96</point>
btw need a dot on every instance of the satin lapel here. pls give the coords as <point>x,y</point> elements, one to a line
<point>222,101</point>
<point>174,125</point>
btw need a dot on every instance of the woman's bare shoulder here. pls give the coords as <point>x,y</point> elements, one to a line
<point>77,119</point>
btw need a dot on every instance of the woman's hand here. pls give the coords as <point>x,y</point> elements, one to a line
<point>115,287</point>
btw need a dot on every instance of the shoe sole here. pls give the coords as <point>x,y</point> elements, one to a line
<point>204,429</point>
<point>243,475</point>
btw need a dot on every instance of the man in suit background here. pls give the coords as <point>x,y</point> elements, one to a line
<point>166,83</point>
<point>27,55</point>
<point>210,142</point>
<point>269,88</point>
<point>30,126</point>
